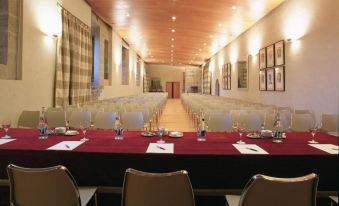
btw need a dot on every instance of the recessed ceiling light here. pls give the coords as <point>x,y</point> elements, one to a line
<point>127,14</point>
<point>211,36</point>
<point>171,50</point>
<point>234,7</point>
<point>205,44</point>
<point>172,39</point>
<point>219,25</point>
<point>199,49</point>
<point>172,45</point>
<point>172,54</point>
<point>196,54</point>
<point>173,30</point>
<point>174,18</point>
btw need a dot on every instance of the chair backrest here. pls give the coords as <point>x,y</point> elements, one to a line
<point>53,186</point>
<point>302,122</point>
<point>56,118</point>
<point>253,121</point>
<point>165,189</point>
<point>29,119</point>
<point>77,117</point>
<point>104,120</point>
<point>330,122</point>
<point>267,191</point>
<point>219,122</point>
<point>69,110</point>
<point>132,120</point>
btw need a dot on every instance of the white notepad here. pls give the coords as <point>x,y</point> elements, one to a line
<point>4,141</point>
<point>249,149</point>
<point>329,148</point>
<point>66,145</point>
<point>160,148</point>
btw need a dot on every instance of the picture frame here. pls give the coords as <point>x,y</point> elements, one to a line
<point>224,77</point>
<point>279,53</point>
<point>262,80</point>
<point>279,78</point>
<point>270,58</point>
<point>270,79</point>
<point>262,58</point>
<point>229,75</point>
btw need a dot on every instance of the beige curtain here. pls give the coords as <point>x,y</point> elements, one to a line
<point>74,63</point>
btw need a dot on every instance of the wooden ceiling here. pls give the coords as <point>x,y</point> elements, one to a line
<point>202,27</point>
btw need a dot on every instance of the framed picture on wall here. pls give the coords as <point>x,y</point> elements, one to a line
<point>262,58</point>
<point>262,80</point>
<point>280,78</point>
<point>270,79</point>
<point>270,55</point>
<point>229,75</point>
<point>279,53</point>
<point>224,77</point>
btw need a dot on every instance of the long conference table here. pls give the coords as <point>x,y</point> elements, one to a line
<point>213,164</point>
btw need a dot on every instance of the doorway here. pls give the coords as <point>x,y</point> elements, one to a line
<point>217,88</point>
<point>173,90</point>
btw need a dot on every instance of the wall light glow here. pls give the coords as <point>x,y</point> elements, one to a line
<point>298,20</point>
<point>48,17</point>
<point>212,65</point>
<point>221,60</point>
<point>254,44</point>
<point>234,54</point>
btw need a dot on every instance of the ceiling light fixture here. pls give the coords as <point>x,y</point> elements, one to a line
<point>173,30</point>
<point>127,14</point>
<point>219,25</point>
<point>211,36</point>
<point>234,7</point>
<point>172,39</point>
<point>172,45</point>
<point>174,18</point>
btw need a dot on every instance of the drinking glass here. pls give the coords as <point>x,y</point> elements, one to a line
<point>161,133</point>
<point>84,125</point>
<point>241,131</point>
<point>6,124</point>
<point>118,133</point>
<point>313,130</point>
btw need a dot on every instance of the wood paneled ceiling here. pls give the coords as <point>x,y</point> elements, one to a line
<point>181,32</point>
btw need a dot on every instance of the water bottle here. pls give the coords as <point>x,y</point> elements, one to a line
<point>202,131</point>
<point>118,129</point>
<point>43,125</point>
<point>277,129</point>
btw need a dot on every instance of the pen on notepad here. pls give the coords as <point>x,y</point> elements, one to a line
<point>67,146</point>
<point>161,148</point>
<point>252,149</point>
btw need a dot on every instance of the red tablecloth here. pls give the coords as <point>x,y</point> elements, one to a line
<point>216,143</point>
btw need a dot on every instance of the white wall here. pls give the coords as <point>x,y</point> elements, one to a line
<point>117,89</point>
<point>41,19</point>
<point>312,63</point>
<point>36,89</point>
<point>166,73</point>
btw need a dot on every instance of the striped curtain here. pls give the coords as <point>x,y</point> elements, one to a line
<point>74,63</point>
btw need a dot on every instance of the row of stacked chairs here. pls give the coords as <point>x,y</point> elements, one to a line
<point>220,113</point>
<point>135,112</point>
<point>55,186</point>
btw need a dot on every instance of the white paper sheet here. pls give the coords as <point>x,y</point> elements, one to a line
<point>66,145</point>
<point>334,134</point>
<point>249,149</point>
<point>4,141</point>
<point>329,148</point>
<point>160,148</point>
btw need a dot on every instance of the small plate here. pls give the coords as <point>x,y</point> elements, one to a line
<point>266,133</point>
<point>253,136</point>
<point>147,134</point>
<point>71,132</point>
<point>176,134</point>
